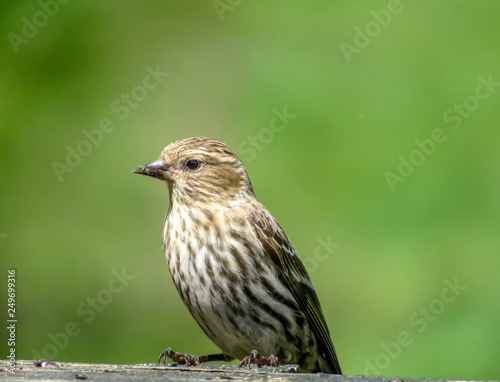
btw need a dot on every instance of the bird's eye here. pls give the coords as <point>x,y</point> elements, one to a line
<point>193,164</point>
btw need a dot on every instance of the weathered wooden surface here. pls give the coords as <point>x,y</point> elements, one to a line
<point>68,371</point>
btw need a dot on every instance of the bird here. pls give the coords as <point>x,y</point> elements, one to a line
<point>233,265</point>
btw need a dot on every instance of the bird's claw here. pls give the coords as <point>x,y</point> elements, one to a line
<point>256,359</point>
<point>182,358</point>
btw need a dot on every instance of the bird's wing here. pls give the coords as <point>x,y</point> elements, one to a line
<point>294,274</point>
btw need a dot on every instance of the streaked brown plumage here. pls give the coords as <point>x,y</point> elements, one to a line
<point>233,266</point>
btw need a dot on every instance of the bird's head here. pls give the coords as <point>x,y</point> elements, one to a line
<point>200,169</point>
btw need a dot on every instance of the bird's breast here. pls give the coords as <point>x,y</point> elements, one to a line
<point>226,280</point>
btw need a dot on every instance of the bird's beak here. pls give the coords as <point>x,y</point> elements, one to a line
<point>156,169</point>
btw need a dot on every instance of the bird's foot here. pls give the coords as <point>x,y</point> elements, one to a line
<point>256,359</point>
<point>188,359</point>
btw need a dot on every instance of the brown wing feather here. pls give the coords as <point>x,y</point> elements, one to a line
<point>294,274</point>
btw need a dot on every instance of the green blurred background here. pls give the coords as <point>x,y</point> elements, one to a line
<point>230,65</point>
